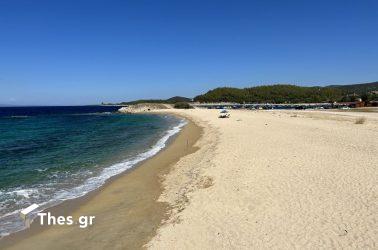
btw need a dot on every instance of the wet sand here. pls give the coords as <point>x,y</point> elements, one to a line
<point>126,208</point>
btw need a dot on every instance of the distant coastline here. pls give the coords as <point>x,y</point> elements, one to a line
<point>277,94</point>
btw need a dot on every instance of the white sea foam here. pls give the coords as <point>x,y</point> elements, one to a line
<point>95,182</point>
<point>24,192</point>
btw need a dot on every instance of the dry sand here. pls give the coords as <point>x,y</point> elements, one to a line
<point>275,179</point>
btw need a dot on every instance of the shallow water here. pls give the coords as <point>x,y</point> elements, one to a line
<point>48,155</point>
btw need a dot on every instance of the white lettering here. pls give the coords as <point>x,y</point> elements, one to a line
<point>41,215</point>
<point>69,220</point>
<point>49,219</point>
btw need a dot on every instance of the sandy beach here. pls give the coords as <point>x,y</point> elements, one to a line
<point>260,179</point>
<point>188,125</point>
<point>275,180</point>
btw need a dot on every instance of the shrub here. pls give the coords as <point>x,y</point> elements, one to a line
<point>360,120</point>
<point>182,105</point>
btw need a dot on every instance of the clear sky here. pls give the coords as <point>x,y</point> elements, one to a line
<point>84,52</point>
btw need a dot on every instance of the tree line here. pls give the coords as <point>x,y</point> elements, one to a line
<point>286,93</point>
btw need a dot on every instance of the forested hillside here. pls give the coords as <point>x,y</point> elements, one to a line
<point>290,94</point>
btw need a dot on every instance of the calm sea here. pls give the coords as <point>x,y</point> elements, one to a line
<point>51,154</point>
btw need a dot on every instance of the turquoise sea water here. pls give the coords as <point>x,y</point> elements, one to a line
<point>48,157</point>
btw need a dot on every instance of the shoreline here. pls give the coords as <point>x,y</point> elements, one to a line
<point>147,173</point>
<point>260,179</point>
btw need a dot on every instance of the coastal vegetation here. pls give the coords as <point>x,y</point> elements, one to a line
<point>358,89</point>
<point>171,100</point>
<point>286,93</point>
<point>360,120</point>
<point>278,93</point>
<point>182,105</point>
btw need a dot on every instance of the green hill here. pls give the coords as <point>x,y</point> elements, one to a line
<point>358,89</point>
<point>286,93</point>
<point>171,100</point>
<point>177,99</point>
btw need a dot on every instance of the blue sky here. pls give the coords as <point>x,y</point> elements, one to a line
<point>85,52</point>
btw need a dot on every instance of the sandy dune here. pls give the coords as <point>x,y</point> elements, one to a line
<point>275,179</point>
